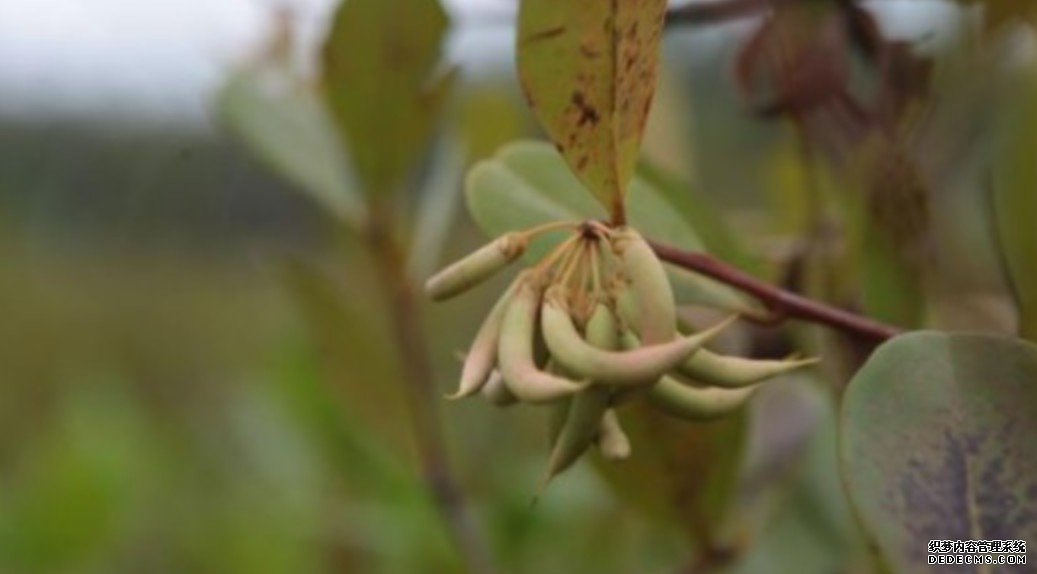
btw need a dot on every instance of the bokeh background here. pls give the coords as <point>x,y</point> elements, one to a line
<point>196,373</point>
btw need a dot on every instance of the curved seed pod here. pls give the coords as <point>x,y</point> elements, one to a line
<point>515,352</point>
<point>696,403</point>
<point>582,424</point>
<point>621,368</point>
<point>497,392</point>
<point>736,372</point>
<point>628,341</point>
<point>482,355</point>
<point>626,305</point>
<point>650,287</point>
<point>612,441</point>
<point>476,267</point>
<point>583,420</point>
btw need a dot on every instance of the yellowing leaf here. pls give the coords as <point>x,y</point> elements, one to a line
<point>378,66</point>
<point>589,70</point>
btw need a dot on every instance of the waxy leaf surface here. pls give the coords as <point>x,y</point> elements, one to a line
<point>939,442</point>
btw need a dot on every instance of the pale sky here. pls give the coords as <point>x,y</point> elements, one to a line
<point>161,59</point>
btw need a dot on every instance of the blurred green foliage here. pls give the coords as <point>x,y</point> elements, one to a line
<point>196,373</point>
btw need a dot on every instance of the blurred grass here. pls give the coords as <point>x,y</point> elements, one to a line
<point>192,413</point>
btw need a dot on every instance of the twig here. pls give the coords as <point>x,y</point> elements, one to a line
<point>423,398</point>
<point>784,304</point>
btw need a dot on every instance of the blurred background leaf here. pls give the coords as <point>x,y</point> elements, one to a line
<point>379,77</point>
<point>684,474</point>
<point>793,515</point>
<point>437,210</point>
<point>283,119</point>
<point>1015,200</point>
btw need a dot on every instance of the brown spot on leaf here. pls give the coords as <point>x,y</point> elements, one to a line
<point>589,51</point>
<point>545,34</point>
<point>588,113</point>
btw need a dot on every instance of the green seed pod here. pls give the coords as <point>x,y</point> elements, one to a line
<point>736,372</point>
<point>515,352</point>
<point>558,411</point>
<point>497,392</point>
<point>482,355</point>
<point>583,420</point>
<point>612,441</point>
<point>626,305</point>
<point>696,403</point>
<point>650,288</point>
<point>556,415</point>
<point>582,424</point>
<point>635,367</point>
<point>476,267</point>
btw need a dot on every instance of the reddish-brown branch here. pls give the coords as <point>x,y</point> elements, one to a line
<point>783,304</point>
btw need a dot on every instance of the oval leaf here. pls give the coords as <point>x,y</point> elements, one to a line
<point>589,71</point>
<point>939,442</point>
<point>378,62</point>
<point>284,121</point>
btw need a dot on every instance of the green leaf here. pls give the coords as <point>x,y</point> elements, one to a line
<point>938,441</point>
<point>284,121</point>
<point>589,70</point>
<point>523,185</point>
<point>378,65</point>
<point>1015,202</point>
<point>527,183</point>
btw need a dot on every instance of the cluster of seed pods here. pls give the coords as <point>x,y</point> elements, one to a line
<point>592,326</point>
